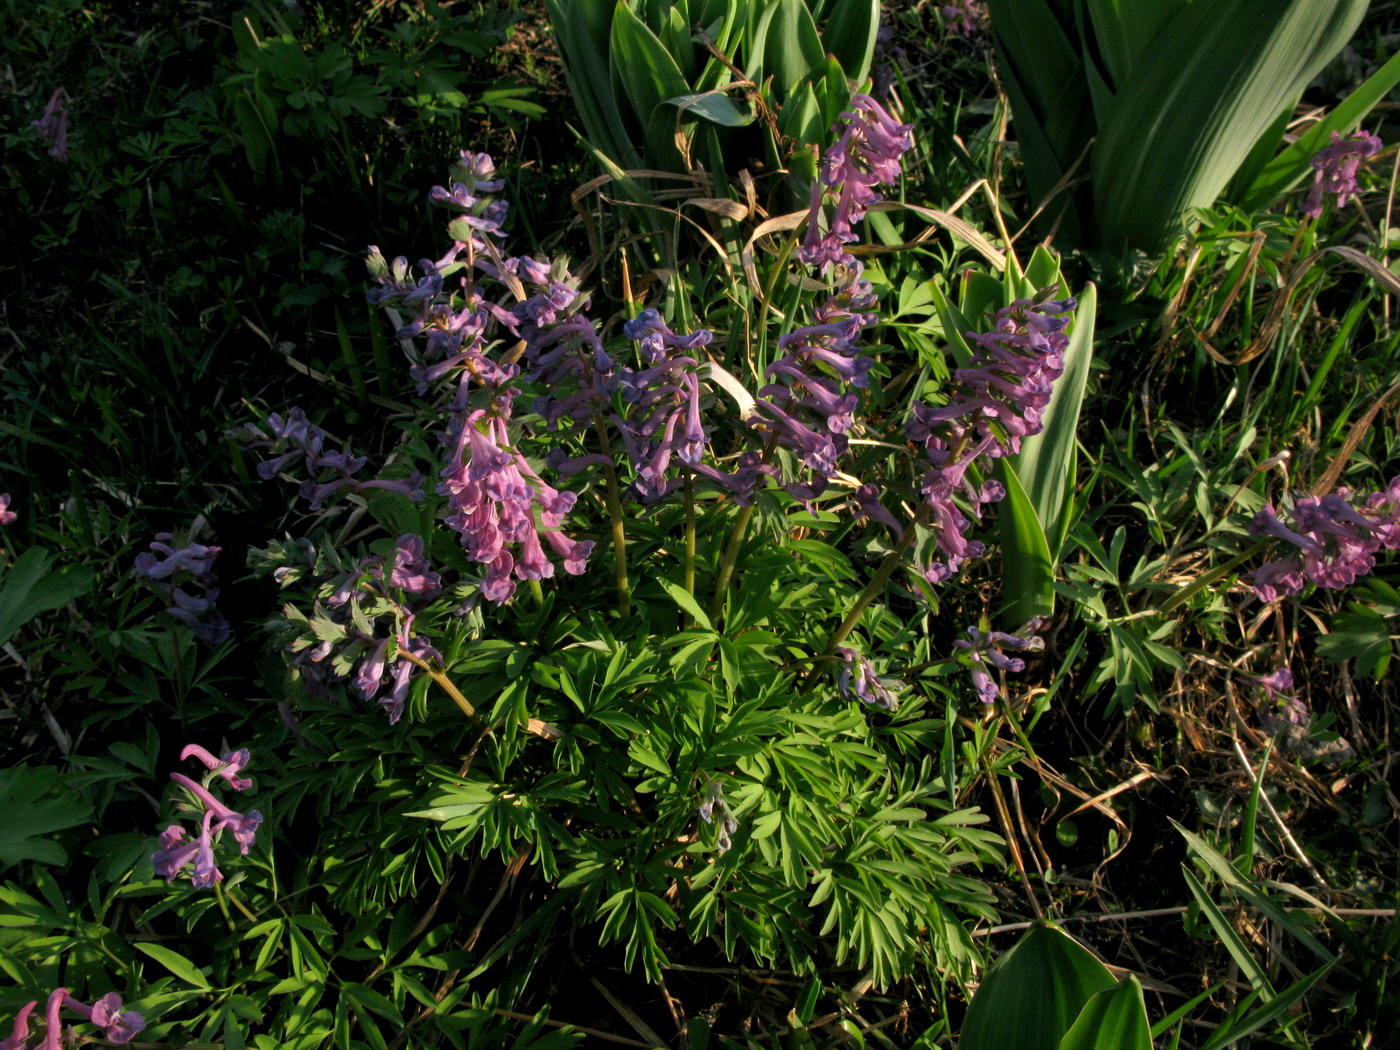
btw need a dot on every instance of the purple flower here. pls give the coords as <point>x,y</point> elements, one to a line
<point>1281,706</point>
<point>964,16</point>
<point>227,766</point>
<point>411,570</point>
<point>1333,541</point>
<point>53,125</point>
<point>1335,167</point>
<point>865,155</point>
<point>179,851</point>
<point>858,679</point>
<point>988,648</point>
<point>118,1026</point>
<point>107,1014</point>
<point>196,610</point>
<point>7,516</point>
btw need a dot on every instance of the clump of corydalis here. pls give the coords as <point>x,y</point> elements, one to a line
<point>988,649</point>
<point>367,624</point>
<point>294,441</point>
<point>865,155</point>
<point>1335,167</point>
<point>858,680</point>
<point>504,512</point>
<point>53,125</point>
<point>1334,540</point>
<point>185,579</point>
<point>178,849</point>
<point>996,401</point>
<point>118,1026</point>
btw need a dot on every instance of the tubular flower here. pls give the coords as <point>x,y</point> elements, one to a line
<point>858,679</point>
<point>1334,540</point>
<point>178,850</point>
<point>193,567</point>
<point>865,155</point>
<point>1335,167</point>
<point>53,125</point>
<point>117,1026</point>
<point>988,649</point>
<point>7,516</point>
<point>714,806</point>
<point>1281,706</point>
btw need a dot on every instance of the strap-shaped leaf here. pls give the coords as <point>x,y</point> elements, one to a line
<point>786,46</point>
<point>1028,570</point>
<point>1032,995</point>
<point>1114,1019</point>
<point>643,73</point>
<point>849,34</point>
<point>1046,462</point>
<point>1213,80</point>
<point>583,29</point>
<point>1284,172</point>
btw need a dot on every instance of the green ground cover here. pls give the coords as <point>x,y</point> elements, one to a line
<point>655,619</point>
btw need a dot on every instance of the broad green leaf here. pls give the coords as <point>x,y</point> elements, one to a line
<point>174,962</point>
<point>1114,1019</point>
<point>687,602</point>
<point>583,29</point>
<point>1124,29</point>
<point>1028,570</point>
<point>1295,162</point>
<point>1215,78</point>
<point>29,588</point>
<point>791,46</point>
<point>1032,995</point>
<point>642,70</point>
<point>715,107</point>
<point>1046,463</point>
<point>850,33</point>
<point>36,802</point>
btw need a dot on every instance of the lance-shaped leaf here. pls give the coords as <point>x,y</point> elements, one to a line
<point>1214,79</point>
<point>1114,1019</point>
<point>1033,994</point>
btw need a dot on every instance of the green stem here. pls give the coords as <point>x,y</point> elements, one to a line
<point>689,534</point>
<point>619,535</point>
<point>726,563</point>
<point>892,561</point>
<point>536,592</point>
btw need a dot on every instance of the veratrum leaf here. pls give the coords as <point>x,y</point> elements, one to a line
<point>1114,1019</point>
<point>642,70</point>
<point>29,589</point>
<point>583,29</point>
<point>1028,571</point>
<point>1283,172</point>
<point>1033,994</point>
<point>36,802</point>
<point>849,34</point>
<point>1210,84</point>
<point>791,46</point>
<point>1045,465</point>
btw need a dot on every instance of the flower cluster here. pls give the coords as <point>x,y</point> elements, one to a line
<point>999,399</point>
<point>192,599</point>
<point>1335,540</point>
<point>401,588</point>
<point>989,648</point>
<point>964,16</point>
<point>1281,706</point>
<point>53,125</point>
<point>7,516</point>
<point>295,438</point>
<point>859,680</point>
<point>713,806</point>
<point>178,849</point>
<point>503,510</point>
<point>118,1026</point>
<point>865,156</point>
<point>1335,166</point>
